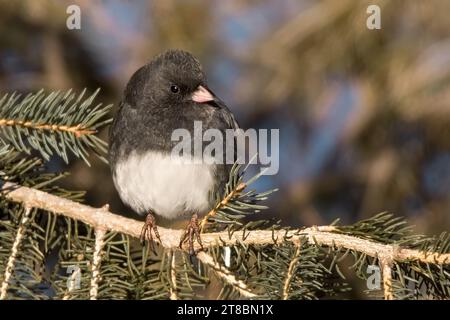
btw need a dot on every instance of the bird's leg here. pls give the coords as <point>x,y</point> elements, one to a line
<point>146,233</point>
<point>192,230</point>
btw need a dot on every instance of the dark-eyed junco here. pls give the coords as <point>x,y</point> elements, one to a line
<point>166,94</point>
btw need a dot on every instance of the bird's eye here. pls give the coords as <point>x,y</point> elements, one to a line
<point>174,88</point>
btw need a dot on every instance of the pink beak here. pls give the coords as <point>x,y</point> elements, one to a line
<point>202,95</point>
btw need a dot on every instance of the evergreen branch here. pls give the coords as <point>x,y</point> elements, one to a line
<point>30,172</point>
<point>173,276</point>
<point>304,278</point>
<point>234,204</point>
<point>58,123</point>
<point>236,191</point>
<point>77,130</point>
<point>386,266</point>
<point>225,275</point>
<point>323,235</point>
<point>290,272</point>
<point>96,260</point>
<point>14,250</point>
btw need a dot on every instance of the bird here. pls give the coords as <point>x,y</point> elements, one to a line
<point>168,93</point>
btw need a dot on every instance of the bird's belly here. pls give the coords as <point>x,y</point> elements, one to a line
<point>169,187</point>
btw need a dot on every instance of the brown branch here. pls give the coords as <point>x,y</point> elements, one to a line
<point>222,204</point>
<point>290,272</point>
<point>96,260</point>
<point>323,235</point>
<point>386,265</point>
<point>77,130</point>
<point>226,275</point>
<point>14,250</point>
<point>173,276</point>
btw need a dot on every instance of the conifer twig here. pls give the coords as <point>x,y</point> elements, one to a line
<point>387,278</point>
<point>225,275</point>
<point>323,235</point>
<point>96,260</point>
<point>78,130</point>
<point>54,123</point>
<point>221,204</point>
<point>173,277</point>
<point>14,250</point>
<point>290,272</point>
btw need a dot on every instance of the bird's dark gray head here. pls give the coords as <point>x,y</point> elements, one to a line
<point>172,77</point>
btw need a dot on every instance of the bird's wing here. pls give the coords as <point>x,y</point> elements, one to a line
<point>229,122</point>
<point>226,114</point>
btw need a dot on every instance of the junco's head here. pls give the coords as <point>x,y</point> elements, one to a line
<point>173,77</point>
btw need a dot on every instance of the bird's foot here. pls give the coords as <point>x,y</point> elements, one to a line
<point>192,230</point>
<point>146,233</point>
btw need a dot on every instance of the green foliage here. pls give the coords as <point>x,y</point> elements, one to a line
<point>239,205</point>
<point>58,123</point>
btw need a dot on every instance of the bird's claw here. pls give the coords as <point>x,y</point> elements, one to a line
<point>192,230</point>
<point>146,233</point>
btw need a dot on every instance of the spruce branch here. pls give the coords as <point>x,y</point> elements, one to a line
<point>386,266</point>
<point>30,171</point>
<point>222,204</point>
<point>235,204</point>
<point>295,251</point>
<point>290,273</point>
<point>14,251</point>
<point>77,130</point>
<point>173,276</point>
<point>226,275</point>
<point>97,256</point>
<point>58,123</point>
<point>324,235</point>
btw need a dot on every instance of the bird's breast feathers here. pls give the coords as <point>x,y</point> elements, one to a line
<point>171,187</point>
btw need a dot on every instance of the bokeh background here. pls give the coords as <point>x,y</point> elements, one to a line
<point>364,115</point>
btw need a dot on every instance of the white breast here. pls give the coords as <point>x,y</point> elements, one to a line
<point>170,187</point>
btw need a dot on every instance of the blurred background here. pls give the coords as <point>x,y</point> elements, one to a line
<point>364,115</point>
